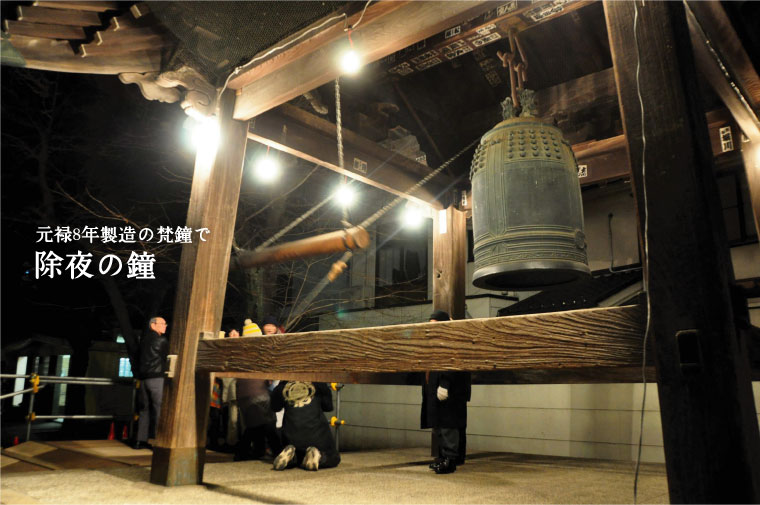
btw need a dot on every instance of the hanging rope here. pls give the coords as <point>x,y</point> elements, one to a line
<point>339,132</point>
<point>305,215</point>
<point>339,265</point>
<point>339,123</point>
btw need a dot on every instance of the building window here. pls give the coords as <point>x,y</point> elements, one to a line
<point>737,207</point>
<point>726,139</point>
<point>125,368</point>
<point>19,384</point>
<point>401,265</point>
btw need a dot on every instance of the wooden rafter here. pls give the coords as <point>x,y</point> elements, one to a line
<point>57,16</point>
<point>82,5</point>
<point>44,30</point>
<point>722,60</point>
<point>386,28</point>
<point>309,137</point>
<point>57,56</point>
<point>312,138</point>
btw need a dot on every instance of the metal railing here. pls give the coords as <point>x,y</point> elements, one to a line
<point>40,381</point>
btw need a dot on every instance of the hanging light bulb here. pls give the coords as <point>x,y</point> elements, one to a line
<point>413,216</point>
<point>350,61</point>
<point>206,134</point>
<point>267,168</point>
<point>201,133</point>
<point>345,195</point>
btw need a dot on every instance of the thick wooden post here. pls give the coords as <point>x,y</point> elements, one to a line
<point>179,452</point>
<point>751,156</point>
<point>709,425</point>
<point>449,261</point>
<point>449,269</point>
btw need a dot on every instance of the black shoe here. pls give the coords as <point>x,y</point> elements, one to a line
<point>435,463</point>
<point>139,444</point>
<point>447,465</point>
<point>460,461</point>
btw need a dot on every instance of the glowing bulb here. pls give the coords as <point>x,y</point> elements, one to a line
<point>350,62</point>
<point>206,135</point>
<point>267,169</point>
<point>413,216</point>
<point>345,195</point>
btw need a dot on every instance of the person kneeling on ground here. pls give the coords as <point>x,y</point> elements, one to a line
<point>305,426</point>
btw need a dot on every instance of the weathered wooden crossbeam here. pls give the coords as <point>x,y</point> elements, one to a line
<point>591,375</point>
<point>602,338</point>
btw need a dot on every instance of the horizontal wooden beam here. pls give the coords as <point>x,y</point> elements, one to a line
<point>118,48</point>
<point>82,5</point>
<point>717,65</point>
<point>567,375</point>
<point>602,161</point>
<point>602,338</point>
<point>583,108</point>
<point>309,137</point>
<point>44,31</point>
<point>58,16</point>
<point>593,375</point>
<point>386,28</point>
<point>57,56</point>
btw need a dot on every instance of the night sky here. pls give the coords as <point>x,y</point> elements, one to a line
<point>115,159</point>
<point>98,140</point>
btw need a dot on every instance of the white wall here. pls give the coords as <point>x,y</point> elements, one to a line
<point>576,420</point>
<point>417,313</point>
<point>598,204</point>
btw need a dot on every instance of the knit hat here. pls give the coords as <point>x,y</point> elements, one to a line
<point>440,315</point>
<point>269,320</point>
<point>250,329</point>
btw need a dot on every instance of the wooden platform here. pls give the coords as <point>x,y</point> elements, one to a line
<point>80,454</point>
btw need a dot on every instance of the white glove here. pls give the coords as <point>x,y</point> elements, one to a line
<point>442,393</point>
<point>280,414</point>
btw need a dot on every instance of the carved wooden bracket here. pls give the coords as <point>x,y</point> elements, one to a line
<point>196,95</point>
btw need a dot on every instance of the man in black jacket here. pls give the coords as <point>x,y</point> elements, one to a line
<point>305,426</point>
<point>154,348</point>
<point>444,408</point>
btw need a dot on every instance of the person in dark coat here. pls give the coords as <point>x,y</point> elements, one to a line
<point>259,420</point>
<point>444,408</point>
<point>312,445</point>
<point>154,347</point>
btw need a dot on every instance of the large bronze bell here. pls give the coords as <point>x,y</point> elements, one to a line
<point>527,214</point>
